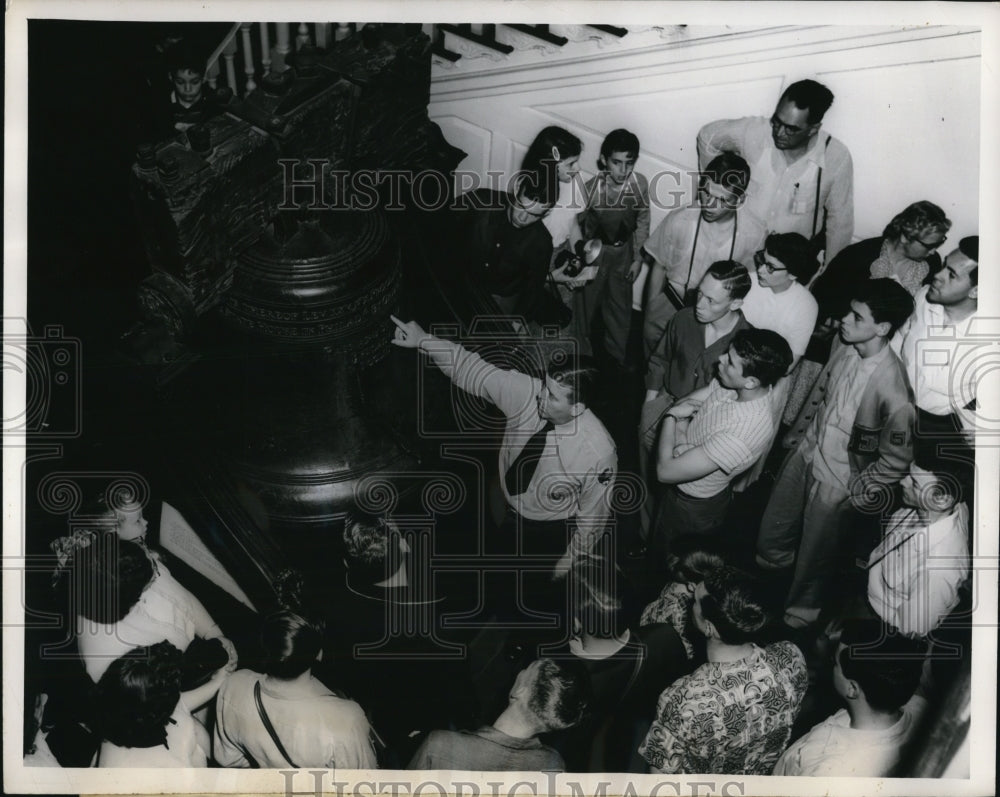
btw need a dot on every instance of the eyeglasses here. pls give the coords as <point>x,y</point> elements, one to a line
<point>760,259</point>
<point>777,125</point>
<point>730,202</point>
<point>930,246</point>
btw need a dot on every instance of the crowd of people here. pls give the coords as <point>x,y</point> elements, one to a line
<point>776,354</point>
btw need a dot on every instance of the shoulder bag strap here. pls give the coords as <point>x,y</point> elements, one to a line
<point>270,728</point>
<point>819,181</point>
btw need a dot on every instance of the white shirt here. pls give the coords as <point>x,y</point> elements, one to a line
<point>916,570</point>
<point>940,358</point>
<point>791,313</point>
<point>834,749</point>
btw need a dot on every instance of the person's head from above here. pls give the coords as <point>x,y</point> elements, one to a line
<point>799,114</point>
<point>566,388</point>
<point>935,485</point>
<point>958,280</point>
<point>918,230</point>
<point>877,666</point>
<point>187,73</point>
<point>554,147</point>
<point>373,545</point>
<point>596,602</point>
<point>137,694</point>
<point>619,152</point>
<point>110,575</point>
<point>729,606</point>
<point>756,358</point>
<point>878,308</point>
<point>291,645</point>
<point>121,510</point>
<point>552,694</point>
<point>722,187</point>
<point>532,198</point>
<point>692,558</point>
<point>786,258</point>
<point>721,291</point>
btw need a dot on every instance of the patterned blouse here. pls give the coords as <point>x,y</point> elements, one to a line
<point>673,607</point>
<point>911,272</point>
<point>729,718</point>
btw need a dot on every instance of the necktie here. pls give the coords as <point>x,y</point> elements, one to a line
<point>523,468</point>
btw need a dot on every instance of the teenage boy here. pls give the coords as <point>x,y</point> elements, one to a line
<point>690,239</point>
<point>618,214</point>
<point>686,354</point>
<point>507,248</point>
<point>852,443</point>
<point>714,434</point>
<point>916,571</point>
<point>876,675</point>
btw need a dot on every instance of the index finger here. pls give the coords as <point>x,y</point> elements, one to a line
<point>397,322</point>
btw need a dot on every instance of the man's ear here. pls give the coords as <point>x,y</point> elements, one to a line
<point>710,632</point>
<point>576,410</point>
<point>735,305</point>
<point>601,163</point>
<point>853,690</point>
<point>974,292</point>
<point>883,329</point>
<point>555,154</point>
<point>750,383</point>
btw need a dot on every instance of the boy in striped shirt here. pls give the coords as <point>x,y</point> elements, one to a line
<point>712,435</point>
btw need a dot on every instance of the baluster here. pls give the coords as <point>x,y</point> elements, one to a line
<point>322,34</point>
<point>265,50</point>
<point>302,37</point>
<point>248,67</point>
<point>229,54</point>
<point>282,48</point>
<point>212,75</point>
<point>343,31</point>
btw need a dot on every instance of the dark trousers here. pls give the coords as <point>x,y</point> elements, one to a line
<point>680,514</point>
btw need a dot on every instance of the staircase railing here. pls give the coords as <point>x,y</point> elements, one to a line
<point>246,54</point>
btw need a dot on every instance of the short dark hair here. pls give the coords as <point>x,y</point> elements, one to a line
<point>110,575</point>
<point>809,94</point>
<point>733,275</point>
<point>969,246</point>
<point>691,567</point>
<point>887,300</point>
<point>560,694</point>
<point>137,694</point>
<point>578,373</point>
<point>885,665</point>
<point>795,252</point>
<point>766,354</point>
<point>728,170</point>
<point>184,56</point>
<point>620,140</point>
<point>734,605</point>
<point>372,547</point>
<point>919,217</point>
<point>290,643</point>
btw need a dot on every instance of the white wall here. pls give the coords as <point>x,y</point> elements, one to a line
<point>907,105</point>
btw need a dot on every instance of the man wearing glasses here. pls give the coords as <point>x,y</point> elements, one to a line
<point>507,249</point>
<point>690,239</point>
<point>803,179</point>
